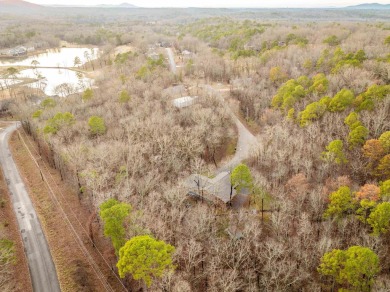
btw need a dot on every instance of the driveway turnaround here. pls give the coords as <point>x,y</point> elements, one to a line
<point>40,263</point>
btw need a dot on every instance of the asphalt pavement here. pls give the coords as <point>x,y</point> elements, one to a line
<point>40,263</point>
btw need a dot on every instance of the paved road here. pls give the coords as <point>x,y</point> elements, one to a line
<point>171,59</point>
<point>41,266</point>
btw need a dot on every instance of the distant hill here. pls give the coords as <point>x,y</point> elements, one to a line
<point>128,5</point>
<point>17,4</point>
<point>370,6</point>
<point>123,5</point>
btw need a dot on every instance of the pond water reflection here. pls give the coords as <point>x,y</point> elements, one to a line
<point>61,57</point>
<point>60,82</point>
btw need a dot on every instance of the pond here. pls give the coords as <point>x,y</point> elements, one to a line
<point>61,57</point>
<point>53,80</point>
<point>5,83</point>
<point>60,82</point>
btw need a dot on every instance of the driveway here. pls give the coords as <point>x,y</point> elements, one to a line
<point>245,143</point>
<point>246,140</point>
<point>171,59</point>
<point>41,266</point>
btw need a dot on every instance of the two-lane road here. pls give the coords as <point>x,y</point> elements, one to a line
<point>41,266</point>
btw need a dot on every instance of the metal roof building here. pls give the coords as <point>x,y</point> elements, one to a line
<point>184,101</point>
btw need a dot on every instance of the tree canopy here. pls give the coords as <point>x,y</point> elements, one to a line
<point>145,258</point>
<point>57,122</point>
<point>341,100</point>
<point>373,149</point>
<point>385,189</point>
<point>335,152</point>
<point>76,61</point>
<point>357,136</point>
<point>313,111</point>
<point>124,96</point>
<point>385,141</point>
<point>352,120</point>
<point>387,40</point>
<point>96,125</point>
<point>332,41</point>
<point>357,267</point>
<point>241,177</point>
<point>379,218</point>
<point>48,103</point>
<point>340,203</point>
<point>114,214</point>
<point>87,94</point>
<point>383,168</point>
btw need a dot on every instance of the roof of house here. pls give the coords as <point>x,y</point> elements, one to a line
<point>186,52</point>
<point>218,186</point>
<point>19,49</point>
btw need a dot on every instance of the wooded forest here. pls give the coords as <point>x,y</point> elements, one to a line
<point>314,93</point>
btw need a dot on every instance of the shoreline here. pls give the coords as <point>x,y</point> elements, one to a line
<point>29,54</point>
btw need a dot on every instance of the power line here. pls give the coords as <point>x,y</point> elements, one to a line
<point>75,216</point>
<point>75,235</point>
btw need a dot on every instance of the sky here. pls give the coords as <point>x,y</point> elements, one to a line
<point>216,3</point>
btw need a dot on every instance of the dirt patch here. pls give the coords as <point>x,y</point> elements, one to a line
<point>69,259</point>
<point>94,74</point>
<point>81,277</point>
<point>18,279</point>
<point>124,49</point>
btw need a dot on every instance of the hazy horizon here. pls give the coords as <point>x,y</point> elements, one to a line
<point>213,3</point>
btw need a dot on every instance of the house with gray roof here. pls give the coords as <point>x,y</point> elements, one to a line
<point>18,51</point>
<point>217,188</point>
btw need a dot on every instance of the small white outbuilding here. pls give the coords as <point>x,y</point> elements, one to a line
<point>184,101</point>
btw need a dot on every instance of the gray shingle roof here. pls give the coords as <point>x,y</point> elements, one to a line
<point>218,186</point>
